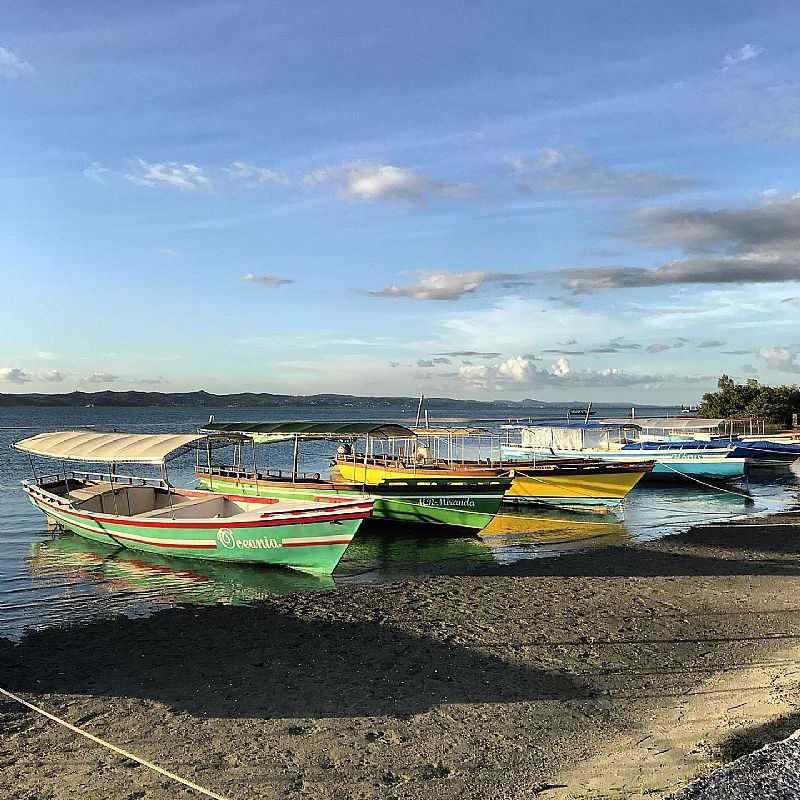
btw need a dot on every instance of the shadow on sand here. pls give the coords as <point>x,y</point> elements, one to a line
<point>238,662</point>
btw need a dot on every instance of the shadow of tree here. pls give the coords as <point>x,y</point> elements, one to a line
<point>754,737</point>
<point>225,661</point>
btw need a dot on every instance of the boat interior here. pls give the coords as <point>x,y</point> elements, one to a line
<point>154,502</point>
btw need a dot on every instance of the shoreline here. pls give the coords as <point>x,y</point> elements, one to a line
<point>619,672</point>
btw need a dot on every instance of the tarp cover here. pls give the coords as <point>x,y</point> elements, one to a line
<point>553,437</point>
<point>117,448</point>
<point>282,431</point>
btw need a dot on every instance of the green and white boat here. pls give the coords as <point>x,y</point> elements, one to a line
<point>150,514</point>
<point>462,502</point>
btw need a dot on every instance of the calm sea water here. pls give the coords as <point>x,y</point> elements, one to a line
<point>49,580</point>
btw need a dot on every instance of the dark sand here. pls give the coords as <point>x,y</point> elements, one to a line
<point>621,672</point>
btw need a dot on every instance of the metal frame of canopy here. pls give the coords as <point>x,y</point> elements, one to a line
<point>435,439</point>
<point>116,448</point>
<point>295,431</point>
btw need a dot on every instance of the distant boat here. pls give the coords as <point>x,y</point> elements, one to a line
<point>584,412</point>
<point>616,441</point>
<point>89,405</point>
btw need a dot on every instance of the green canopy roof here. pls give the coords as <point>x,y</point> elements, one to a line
<point>277,431</point>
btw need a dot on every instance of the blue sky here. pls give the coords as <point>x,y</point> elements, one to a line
<point>492,200</point>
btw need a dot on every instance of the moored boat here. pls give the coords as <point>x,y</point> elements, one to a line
<point>150,514</point>
<point>464,501</point>
<point>760,449</point>
<point>615,443</point>
<point>578,483</point>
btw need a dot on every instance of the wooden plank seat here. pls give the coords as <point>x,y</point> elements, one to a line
<point>166,510</point>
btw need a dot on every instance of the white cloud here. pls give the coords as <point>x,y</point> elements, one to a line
<point>270,281</point>
<point>561,368</point>
<point>746,52</point>
<point>52,376</point>
<point>14,375</point>
<point>780,358</point>
<point>475,376</point>
<point>378,182</point>
<point>96,172</point>
<point>101,377</point>
<point>450,285</point>
<point>186,177</point>
<point>572,171</point>
<point>13,65</point>
<point>251,176</point>
<point>169,251</point>
<point>517,369</point>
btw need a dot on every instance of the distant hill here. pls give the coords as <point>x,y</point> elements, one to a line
<point>202,399</point>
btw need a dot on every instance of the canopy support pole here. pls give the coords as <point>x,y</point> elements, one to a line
<point>255,467</point>
<point>165,478</point>
<point>66,479</point>
<point>208,461</point>
<point>366,458</point>
<point>113,490</point>
<point>295,458</point>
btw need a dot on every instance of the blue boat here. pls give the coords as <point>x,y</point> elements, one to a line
<point>763,452</point>
<point>687,460</point>
<point>759,449</point>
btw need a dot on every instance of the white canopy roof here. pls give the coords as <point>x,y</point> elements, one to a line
<point>119,448</point>
<point>669,423</point>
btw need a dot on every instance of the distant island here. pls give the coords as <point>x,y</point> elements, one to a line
<point>202,399</point>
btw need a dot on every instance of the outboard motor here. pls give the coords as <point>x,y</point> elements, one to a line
<point>423,453</point>
<point>344,450</point>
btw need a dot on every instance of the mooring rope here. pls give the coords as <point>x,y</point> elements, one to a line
<point>703,483</point>
<point>113,747</point>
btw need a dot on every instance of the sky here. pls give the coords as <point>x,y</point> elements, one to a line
<point>595,201</point>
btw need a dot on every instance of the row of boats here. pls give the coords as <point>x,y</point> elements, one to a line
<point>247,512</point>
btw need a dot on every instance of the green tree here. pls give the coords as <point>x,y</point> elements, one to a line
<point>776,404</point>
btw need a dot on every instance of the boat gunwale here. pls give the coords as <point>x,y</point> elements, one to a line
<point>341,510</point>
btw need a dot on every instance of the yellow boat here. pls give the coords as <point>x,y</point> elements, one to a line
<point>567,483</point>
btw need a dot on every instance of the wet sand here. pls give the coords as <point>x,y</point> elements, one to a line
<point>616,673</point>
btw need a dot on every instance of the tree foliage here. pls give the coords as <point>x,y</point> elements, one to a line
<point>776,404</point>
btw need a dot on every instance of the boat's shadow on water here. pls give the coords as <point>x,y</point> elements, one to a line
<point>264,663</point>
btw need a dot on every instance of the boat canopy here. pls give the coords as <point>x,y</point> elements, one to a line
<point>284,431</point>
<point>669,423</point>
<point>116,448</point>
<point>455,432</point>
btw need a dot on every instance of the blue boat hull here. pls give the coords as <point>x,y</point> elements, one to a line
<point>672,464</point>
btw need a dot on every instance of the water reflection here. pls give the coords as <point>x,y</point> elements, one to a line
<point>75,560</point>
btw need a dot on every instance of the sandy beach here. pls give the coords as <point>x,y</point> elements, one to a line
<point>621,672</point>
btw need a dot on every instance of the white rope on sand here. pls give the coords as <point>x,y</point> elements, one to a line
<point>109,746</point>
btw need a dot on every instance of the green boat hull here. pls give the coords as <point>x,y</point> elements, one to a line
<point>310,546</point>
<point>461,510</point>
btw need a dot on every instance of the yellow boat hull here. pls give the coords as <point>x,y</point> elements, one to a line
<point>559,487</point>
<point>593,489</point>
